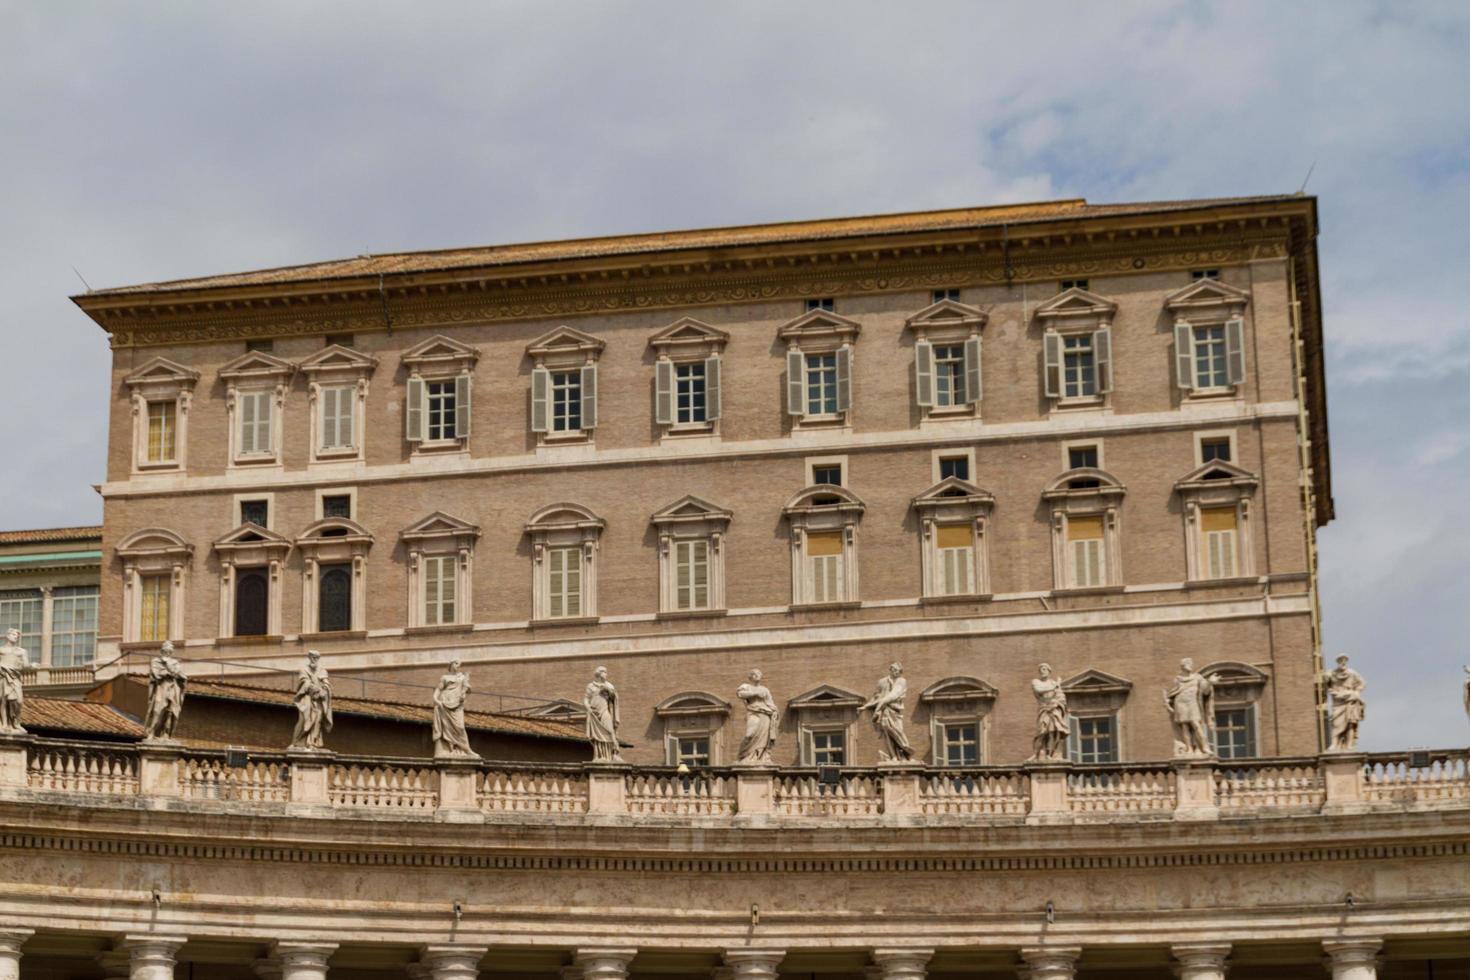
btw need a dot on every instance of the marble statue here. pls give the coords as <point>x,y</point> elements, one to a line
<point>760,721</point>
<point>313,704</point>
<point>166,682</point>
<point>1191,706</point>
<point>450,736</point>
<point>13,662</point>
<point>1053,724</point>
<point>887,707</point>
<point>601,702</point>
<point>1467,691</point>
<point>1345,685</point>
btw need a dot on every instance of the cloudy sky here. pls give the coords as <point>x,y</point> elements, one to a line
<point>154,141</point>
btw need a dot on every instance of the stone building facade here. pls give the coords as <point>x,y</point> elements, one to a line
<point>969,441</point>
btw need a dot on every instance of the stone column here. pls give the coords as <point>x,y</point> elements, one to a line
<point>1200,961</point>
<point>116,964</point>
<point>303,961</point>
<point>11,940</point>
<point>604,962</point>
<point>1352,959</point>
<point>902,964</point>
<point>152,957</point>
<point>748,963</point>
<point>1050,962</point>
<point>267,968</point>
<point>450,961</point>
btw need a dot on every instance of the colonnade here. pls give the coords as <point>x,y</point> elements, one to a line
<point>153,957</point>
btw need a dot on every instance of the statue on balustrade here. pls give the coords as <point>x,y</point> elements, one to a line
<point>166,682</point>
<point>1467,691</point>
<point>761,721</point>
<point>13,663</point>
<point>603,719</point>
<point>1053,723</point>
<point>1191,706</point>
<point>887,708</point>
<point>450,737</point>
<point>1346,685</point>
<point>313,704</point>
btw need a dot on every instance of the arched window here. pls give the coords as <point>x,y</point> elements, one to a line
<point>335,600</point>
<point>251,602</point>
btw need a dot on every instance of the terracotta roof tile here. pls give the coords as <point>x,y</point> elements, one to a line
<point>49,534</point>
<point>56,714</point>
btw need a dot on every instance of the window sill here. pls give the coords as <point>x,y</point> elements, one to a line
<point>442,447</point>
<point>1233,581</point>
<point>944,414</point>
<point>273,639</point>
<point>566,621</point>
<point>954,600</point>
<point>798,607</point>
<point>337,456</point>
<point>691,614</point>
<point>333,635</point>
<point>1211,394</point>
<point>672,432</point>
<point>1065,406</point>
<point>560,438</point>
<point>438,629</point>
<point>251,461</point>
<point>171,466</point>
<point>1089,590</point>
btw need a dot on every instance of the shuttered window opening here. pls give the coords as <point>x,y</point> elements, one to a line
<point>956,544</point>
<point>1085,545</point>
<point>162,431</point>
<point>1210,357</point>
<point>255,422</point>
<point>692,751</point>
<point>821,384</point>
<point>154,611</point>
<point>566,401</point>
<point>691,570</point>
<point>824,552</point>
<point>960,744</point>
<point>1093,739</point>
<point>440,399</point>
<point>828,748</point>
<point>439,590</point>
<point>336,413</point>
<point>1218,525</point>
<point>564,582</point>
<point>1235,733</point>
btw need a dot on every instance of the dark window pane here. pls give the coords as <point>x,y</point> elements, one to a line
<point>335,599</point>
<point>1082,457</point>
<point>250,603</point>
<point>954,466</point>
<point>337,505</point>
<point>254,512</point>
<point>827,474</point>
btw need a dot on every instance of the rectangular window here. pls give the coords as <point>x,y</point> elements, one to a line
<point>956,547</point>
<point>255,512</point>
<point>334,598</point>
<point>1085,549</point>
<point>255,422</point>
<point>439,590</point>
<point>1214,448</point>
<point>336,410</point>
<point>440,399</point>
<point>337,505</point>
<point>949,376</point>
<point>824,303</point>
<point>1211,360</point>
<point>1093,739</point>
<point>689,394</point>
<point>566,401</point>
<point>691,571</point>
<point>940,295</point>
<point>1082,457</point>
<point>1073,284</point>
<point>824,552</point>
<point>339,340</point>
<point>154,607</point>
<point>692,751</point>
<point>264,346</point>
<point>1079,367</point>
<point>564,585</point>
<point>162,431</point>
<point>960,744</point>
<point>1197,274</point>
<point>1218,528</point>
<point>73,626</point>
<point>1235,734</point>
<point>954,466</point>
<point>829,748</point>
<point>821,384</point>
<point>21,610</point>
<point>827,474</point>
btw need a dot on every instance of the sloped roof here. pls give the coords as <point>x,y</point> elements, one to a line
<point>46,535</point>
<point>91,717</point>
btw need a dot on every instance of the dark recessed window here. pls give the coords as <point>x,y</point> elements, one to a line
<point>1082,457</point>
<point>1073,284</point>
<point>335,599</point>
<point>264,346</point>
<point>1204,274</point>
<point>823,303</point>
<point>337,505</point>
<point>255,512</point>
<point>827,474</point>
<point>251,602</point>
<point>944,294</point>
<point>339,339</point>
<point>1214,449</point>
<point>954,466</point>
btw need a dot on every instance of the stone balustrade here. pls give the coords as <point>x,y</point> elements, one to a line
<point>320,782</point>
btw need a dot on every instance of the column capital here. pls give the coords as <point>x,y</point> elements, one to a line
<point>295,955</point>
<point>570,972</point>
<point>1353,952</point>
<point>1051,962</point>
<point>604,962</point>
<point>147,942</point>
<point>11,940</point>
<point>753,963</point>
<point>267,968</point>
<point>1200,961</point>
<point>902,963</point>
<point>115,964</point>
<point>453,961</point>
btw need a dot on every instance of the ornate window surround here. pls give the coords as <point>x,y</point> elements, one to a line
<point>688,341</point>
<point>338,366</point>
<point>685,519</point>
<point>1238,685</point>
<point>819,331</point>
<point>1067,502</point>
<point>948,322</point>
<point>439,358</point>
<point>161,380</point>
<point>1204,303</point>
<point>564,349</point>
<point>1231,487</point>
<point>333,540</point>
<point>564,525</point>
<point>1095,694</point>
<point>818,509</point>
<point>958,701</point>
<point>693,714</point>
<point>440,535</point>
<point>948,502</point>
<point>824,709</point>
<point>154,551</point>
<point>252,372</point>
<point>251,546</point>
<point>1070,313</point>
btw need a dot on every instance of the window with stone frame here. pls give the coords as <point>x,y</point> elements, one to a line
<point>1095,703</point>
<point>819,357</point>
<point>1209,337</point>
<point>438,395</point>
<point>1216,499</point>
<point>334,554</point>
<point>823,718</point>
<point>687,377</point>
<point>255,397</point>
<point>1086,539</point>
<point>947,376</point>
<point>1238,689</point>
<point>1093,738</point>
<point>564,402</point>
<point>823,523</point>
<point>441,552</point>
<point>21,610</point>
<point>564,544</point>
<point>337,387</point>
<point>161,392</point>
<point>155,563</point>
<point>73,625</point>
<point>252,561</point>
<point>957,710</point>
<point>693,725</point>
<point>155,606</point>
<point>953,519</point>
<point>691,541</point>
<point>1077,347</point>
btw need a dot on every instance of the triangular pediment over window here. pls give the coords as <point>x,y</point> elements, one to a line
<point>1096,682</point>
<point>691,509</point>
<point>442,354</point>
<point>947,313</point>
<point>958,689</point>
<point>441,523</point>
<point>1206,294</point>
<point>564,340</point>
<point>251,534</point>
<point>953,490</point>
<point>1076,303</point>
<point>819,324</point>
<point>1216,474</point>
<point>257,364</point>
<point>561,709</point>
<point>825,696</point>
<point>162,371</point>
<point>337,359</point>
<point>689,334</point>
<point>692,703</point>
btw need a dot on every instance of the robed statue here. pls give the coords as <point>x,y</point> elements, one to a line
<point>13,663</point>
<point>601,702</point>
<point>1346,685</point>
<point>1191,706</point>
<point>450,736</point>
<point>1053,723</point>
<point>760,721</point>
<point>887,707</point>
<point>165,693</point>
<point>313,704</point>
